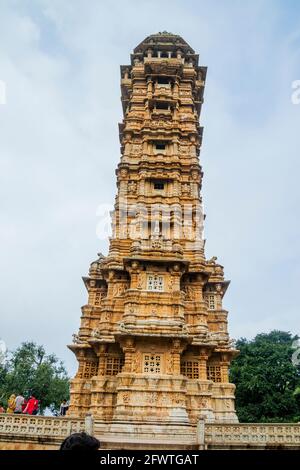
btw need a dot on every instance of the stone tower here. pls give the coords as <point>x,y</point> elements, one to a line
<point>153,346</point>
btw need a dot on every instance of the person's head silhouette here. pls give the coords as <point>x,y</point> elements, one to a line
<point>80,441</point>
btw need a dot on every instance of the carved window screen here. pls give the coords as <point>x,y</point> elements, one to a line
<point>214,373</point>
<point>89,370</point>
<point>190,369</point>
<point>211,302</point>
<point>152,363</point>
<point>155,283</point>
<point>113,365</point>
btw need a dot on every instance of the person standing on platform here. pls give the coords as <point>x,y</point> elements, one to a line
<point>32,406</point>
<point>19,404</point>
<point>63,408</point>
<point>11,404</point>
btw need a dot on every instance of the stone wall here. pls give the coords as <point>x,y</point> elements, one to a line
<point>47,433</point>
<point>253,436</point>
<point>24,432</point>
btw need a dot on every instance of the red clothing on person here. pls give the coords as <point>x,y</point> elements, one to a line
<point>31,406</point>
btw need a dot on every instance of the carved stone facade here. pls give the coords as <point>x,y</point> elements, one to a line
<point>153,345</point>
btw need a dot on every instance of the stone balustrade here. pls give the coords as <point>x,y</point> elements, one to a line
<point>42,427</point>
<point>243,435</point>
<point>42,432</point>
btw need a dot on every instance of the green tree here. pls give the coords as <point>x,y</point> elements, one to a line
<point>30,371</point>
<point>267,382</point>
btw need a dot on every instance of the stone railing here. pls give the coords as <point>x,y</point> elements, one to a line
<point>241,436</point>
<point>39,426</point>
<point>42,432</point>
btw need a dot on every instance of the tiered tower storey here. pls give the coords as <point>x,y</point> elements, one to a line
<point>153,346</point>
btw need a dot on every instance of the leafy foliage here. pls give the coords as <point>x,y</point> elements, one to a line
<point>30,371</point>
<point>267,381</point>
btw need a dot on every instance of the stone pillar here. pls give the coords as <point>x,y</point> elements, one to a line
<point>202,366</point>
<point>110,283</point>
<point>175,147</point>
<point>224,364</point>
<point>129,350</point>
<point>198,288</point>
<point>123,183</point>
<point>134,274</point>
<point>102,359</point>
<point>224,372</point>
<point>176,362</point>
<point>200,436</point>
<point>149,89</point>
<point>81,360</point>
<point>176,351</point>
<point>89,424</point>
<point>145,147</point>
<point>175,90</point>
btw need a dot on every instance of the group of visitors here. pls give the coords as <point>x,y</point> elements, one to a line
<point>18,405</point>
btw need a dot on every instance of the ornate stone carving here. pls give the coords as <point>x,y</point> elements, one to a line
<point>96,333</point>
<point>132,187</point>
<point>153,311</point>
<point>126,398</point>
<point>77,339</point>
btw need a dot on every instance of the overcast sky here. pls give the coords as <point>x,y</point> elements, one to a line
<point>59,148</point>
